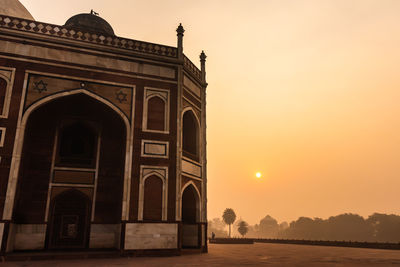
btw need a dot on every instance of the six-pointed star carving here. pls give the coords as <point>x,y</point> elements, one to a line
<point>121,96</point>
<point>40,86</point>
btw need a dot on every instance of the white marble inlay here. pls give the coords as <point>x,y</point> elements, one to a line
<point>30,236</point>
<point>8,75</point>
<point>151,236</point>
<point>157,149</point>
<point>2,135</point>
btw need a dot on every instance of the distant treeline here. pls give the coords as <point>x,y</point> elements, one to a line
<point>343,227</point>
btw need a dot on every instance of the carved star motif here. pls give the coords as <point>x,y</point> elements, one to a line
<point>121,96</point>
<point>40,86</point>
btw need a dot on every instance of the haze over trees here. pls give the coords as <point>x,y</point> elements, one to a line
<point>344,227</point>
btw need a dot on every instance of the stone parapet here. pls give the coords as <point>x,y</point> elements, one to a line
<point>84,36</point>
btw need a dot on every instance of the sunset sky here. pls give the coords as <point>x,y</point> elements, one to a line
<point>306,92</point>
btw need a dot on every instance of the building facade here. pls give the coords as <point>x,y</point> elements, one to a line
<point>102,139</point>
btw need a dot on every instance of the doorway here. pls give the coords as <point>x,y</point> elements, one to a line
<point>69,223</point>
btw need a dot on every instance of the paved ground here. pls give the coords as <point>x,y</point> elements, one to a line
<point>248,255</point>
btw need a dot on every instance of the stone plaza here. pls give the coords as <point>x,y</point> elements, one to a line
<point>247,255</point>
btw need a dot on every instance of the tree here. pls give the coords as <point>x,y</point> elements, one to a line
<point>229,218</point>
<point>243,228</point>
<point>385,227</point>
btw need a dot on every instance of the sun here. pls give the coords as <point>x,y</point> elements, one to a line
<point>258,174</point>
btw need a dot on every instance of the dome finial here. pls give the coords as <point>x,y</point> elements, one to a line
<point>92,12</point>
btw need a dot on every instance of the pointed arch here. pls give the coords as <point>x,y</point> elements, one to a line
<point>49,98</point>
<point>160,173</point>
<point>156,110</point>
<point>156,113</point>
<point>190,134</point>
<point>153,198</point>
<point>187,206</point>
<point>20,134</point>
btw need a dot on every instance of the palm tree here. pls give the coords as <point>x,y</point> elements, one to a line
<point>243,228</point>
<point>229,218</point>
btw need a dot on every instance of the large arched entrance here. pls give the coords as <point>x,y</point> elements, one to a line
<point>190,218</point>
<point>72,172</point>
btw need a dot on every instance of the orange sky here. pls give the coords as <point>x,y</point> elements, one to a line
<point>305,91</point>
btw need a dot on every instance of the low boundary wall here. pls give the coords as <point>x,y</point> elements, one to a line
<point>352,244</point>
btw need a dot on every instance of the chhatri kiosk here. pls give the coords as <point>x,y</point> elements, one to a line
<point>102,140</point>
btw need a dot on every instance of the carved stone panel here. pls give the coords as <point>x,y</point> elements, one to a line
<point>42,86</point>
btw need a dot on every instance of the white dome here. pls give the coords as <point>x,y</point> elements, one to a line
<point>15,9</point>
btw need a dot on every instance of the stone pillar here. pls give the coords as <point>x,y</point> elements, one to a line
<point>204,152</point>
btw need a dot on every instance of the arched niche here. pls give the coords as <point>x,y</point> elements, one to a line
<point>153,198</point>
<point>190,135</point>
<point>156,114</point>
<point>190,217</point>
<point>190,205</point>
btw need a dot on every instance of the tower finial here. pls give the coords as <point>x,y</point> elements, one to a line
<point>203,56</point>
<point>180,30</point>
<point>203,66</point>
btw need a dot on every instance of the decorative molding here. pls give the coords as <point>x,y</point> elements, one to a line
<point>2,135</point>
<point>64,64</point>
<point>8,75</point>
<point>150,92</point>
<point>155,149</point>
<point>161,172</point>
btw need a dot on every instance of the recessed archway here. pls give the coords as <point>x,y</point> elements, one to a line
<point>71,142</point>
<point>21,133</point>
<point>190,216</point>
<point>190,135</point>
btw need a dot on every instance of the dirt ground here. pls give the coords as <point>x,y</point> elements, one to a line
<point>247,255</point>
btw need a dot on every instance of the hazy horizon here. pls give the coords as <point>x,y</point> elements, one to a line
<point>305,92</point>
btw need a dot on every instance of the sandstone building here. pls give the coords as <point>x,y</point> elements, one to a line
<point>102,139</point>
